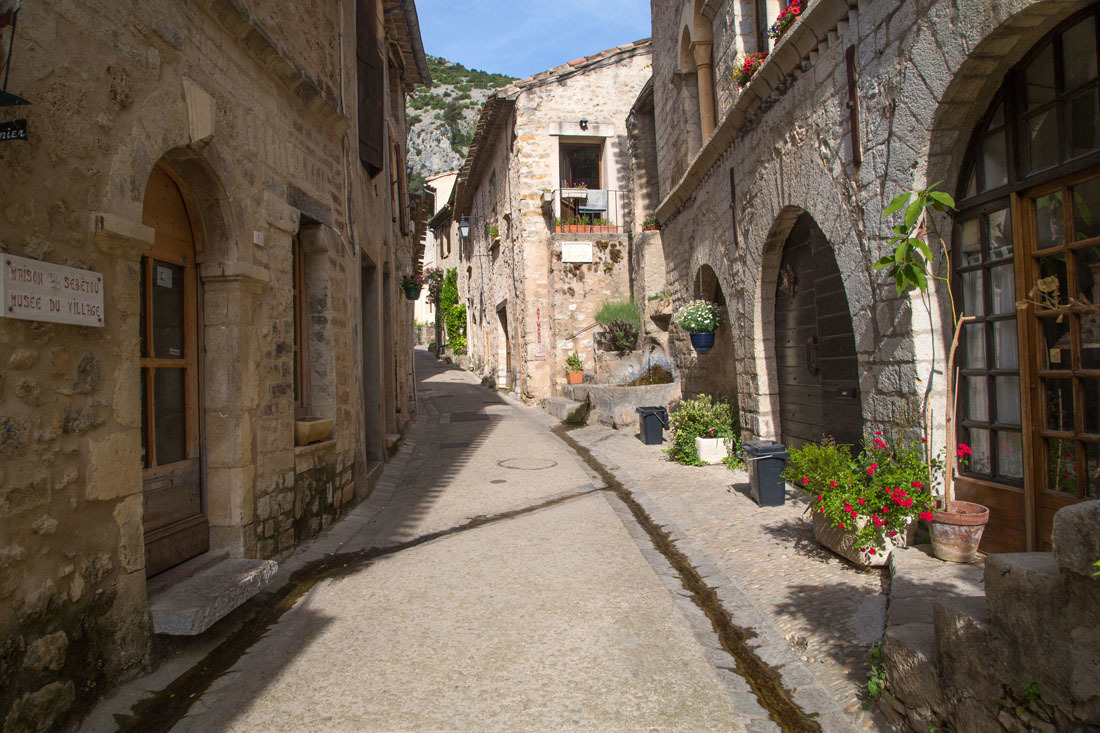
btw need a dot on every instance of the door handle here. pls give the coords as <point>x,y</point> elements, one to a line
<point>812,355</point>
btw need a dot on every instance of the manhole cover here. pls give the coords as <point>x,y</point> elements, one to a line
<point>527,464</point>
<point>498,481</point>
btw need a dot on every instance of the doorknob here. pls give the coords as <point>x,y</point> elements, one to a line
<point>812,355</point>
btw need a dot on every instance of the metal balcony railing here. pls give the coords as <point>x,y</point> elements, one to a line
<point>584,210</point>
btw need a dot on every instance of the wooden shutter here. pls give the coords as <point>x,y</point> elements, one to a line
<point>371,85</point>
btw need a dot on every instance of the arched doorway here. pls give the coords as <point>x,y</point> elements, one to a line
<point>1026,266</point>
<point>815,348</point>
<point>715,372</point>
<point>175,521</point>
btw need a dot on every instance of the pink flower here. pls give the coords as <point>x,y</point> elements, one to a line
<point>872,551</point>
<point>926,516</point>
<point>840,524</point>
<point>878,432</point>
<point>892,533</point>
<point>820,497</point>
<point>862,500</point>
<point>878,522</point>
<point>832,484</point>
<point>805,480</point>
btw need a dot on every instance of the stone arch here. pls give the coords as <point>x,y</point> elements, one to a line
<point>769,380</point>
<point>1008,32</point>
<point>715,372</point>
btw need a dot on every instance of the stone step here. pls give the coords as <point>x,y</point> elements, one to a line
<point>560,407</point>
<point>910,654</point>
<point>193,605</point>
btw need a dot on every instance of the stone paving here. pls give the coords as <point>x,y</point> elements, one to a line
<point>466,456</point>
<point>828,611</point>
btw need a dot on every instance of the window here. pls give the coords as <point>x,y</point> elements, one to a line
<point>582,164</point>
<point>762,24</point>
<point>298,290</point>
<point>370,80</point>
<point>1026,265</point>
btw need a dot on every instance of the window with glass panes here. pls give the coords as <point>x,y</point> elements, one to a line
<point>1026,266</point>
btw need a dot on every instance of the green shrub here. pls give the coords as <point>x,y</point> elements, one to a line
<point>454,314</point>
<point>621,320</point>
<point>701,417</point>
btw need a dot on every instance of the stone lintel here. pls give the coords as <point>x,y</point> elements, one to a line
<point>116,235</point>
<point>201,113</point>
<point>248,276</point>
<point>572,128</point>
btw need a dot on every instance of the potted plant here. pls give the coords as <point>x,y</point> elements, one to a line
<point>863,507</point>
<point>703,431</point>
<point>746,67</point>
<point>547,195</point>
<point>956,526</point>
<point>786,18</point>
<point>412,284</point>
<point>650,224</point>
<point>700,318</point>
<point>574,369</point>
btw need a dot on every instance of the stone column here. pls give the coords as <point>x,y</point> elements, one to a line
<point>231,291</point>
<point>704,73</point>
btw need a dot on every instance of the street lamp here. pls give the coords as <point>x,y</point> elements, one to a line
<point>464,227</point>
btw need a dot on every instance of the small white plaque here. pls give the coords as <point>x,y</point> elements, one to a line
<point>576,251</point>
<point>164,277</point>
<point>32,290</point>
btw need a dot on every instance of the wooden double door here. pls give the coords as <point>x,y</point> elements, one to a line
<point>814,343</point>
<point>175,523</point>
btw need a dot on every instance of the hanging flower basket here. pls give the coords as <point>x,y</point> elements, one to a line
<point>412,286</point>
<point>702,341</point>
<point>700,318</point>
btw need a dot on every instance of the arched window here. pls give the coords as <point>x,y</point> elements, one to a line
<point>1026,265</point>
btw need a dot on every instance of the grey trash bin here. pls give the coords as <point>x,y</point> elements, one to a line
<point>766,460</point>
<point>651,423</point>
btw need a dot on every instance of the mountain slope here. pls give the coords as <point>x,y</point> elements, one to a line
<point>442,119</point>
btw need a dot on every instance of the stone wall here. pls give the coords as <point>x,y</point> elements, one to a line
<point>259,140</point>
<point>787,140</point>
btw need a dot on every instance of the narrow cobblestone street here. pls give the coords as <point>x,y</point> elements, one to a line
<point>494,580</point>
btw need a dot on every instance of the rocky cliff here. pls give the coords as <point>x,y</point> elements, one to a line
<point>442,119</point>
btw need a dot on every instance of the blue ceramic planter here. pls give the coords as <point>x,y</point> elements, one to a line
<point>702,341</point>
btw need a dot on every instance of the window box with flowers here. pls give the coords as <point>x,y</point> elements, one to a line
<point>864,507</point>
<point>745,68</point>
<point>578,190</point>
<point>786,18</point>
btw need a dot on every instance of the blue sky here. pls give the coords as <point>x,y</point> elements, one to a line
<point>520,37</point>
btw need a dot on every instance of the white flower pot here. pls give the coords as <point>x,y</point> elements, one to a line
<point>712,450</point>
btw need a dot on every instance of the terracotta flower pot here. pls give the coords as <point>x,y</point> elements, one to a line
<point>574,377</point>
<point>957,530</point>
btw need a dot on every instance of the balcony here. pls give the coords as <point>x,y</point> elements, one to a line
<point>585,211</point>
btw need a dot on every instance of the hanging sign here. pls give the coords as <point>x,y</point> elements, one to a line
<point>32,290</point>
<point>14,130</point>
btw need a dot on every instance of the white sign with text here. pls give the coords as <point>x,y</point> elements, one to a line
<point>576,251</point>
<point>39,291</point>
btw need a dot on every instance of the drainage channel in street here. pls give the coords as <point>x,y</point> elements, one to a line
<point>761,677</point>
<point>162,710</point>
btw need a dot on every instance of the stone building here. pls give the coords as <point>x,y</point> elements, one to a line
<point>544,196</point>
<point>226,182</point>
<point>772,205</point>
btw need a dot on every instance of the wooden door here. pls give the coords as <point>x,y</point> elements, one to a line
<point>814,343</point>
<point>175,524</point>
<point>1062,276</point>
